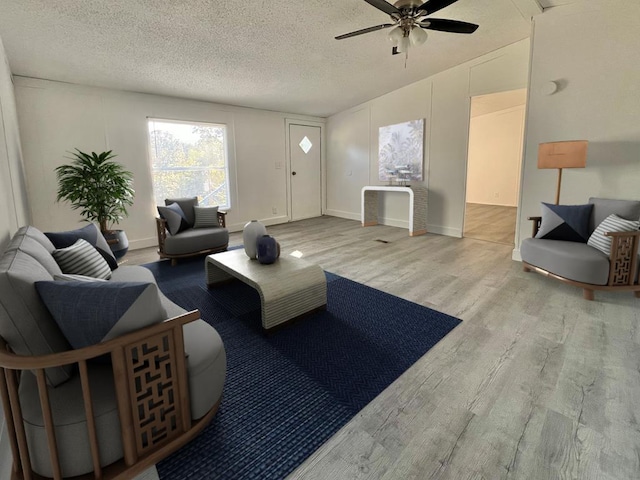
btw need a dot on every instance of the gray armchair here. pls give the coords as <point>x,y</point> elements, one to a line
<point>583,265</point>
<point>194,239</point>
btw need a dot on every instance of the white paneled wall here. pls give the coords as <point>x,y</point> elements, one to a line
<point>14,210</point>
<point>348,148</point>
<point>13,200</point>
<point>57,117</point>
<point>444,102</point>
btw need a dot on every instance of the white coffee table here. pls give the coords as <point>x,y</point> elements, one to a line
<point>289,288</point>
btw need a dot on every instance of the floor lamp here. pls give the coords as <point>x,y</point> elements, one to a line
<point>568,154</point>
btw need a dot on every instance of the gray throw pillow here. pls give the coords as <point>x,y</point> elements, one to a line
<point>613,223</point>
<point>206,217</point>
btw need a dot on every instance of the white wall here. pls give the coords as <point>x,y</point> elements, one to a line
<point>13,200</point>
<point>495,157</point>
<point>13,194</point>
<point>444,101</point>
<point>592,49</point>
<point>57,117</point>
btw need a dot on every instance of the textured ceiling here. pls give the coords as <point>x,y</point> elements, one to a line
<point>276,55</point>
<point>557,3</point>
<point>495,102</point>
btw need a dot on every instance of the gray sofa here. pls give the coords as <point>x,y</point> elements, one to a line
<point>30,332</point>
<point>582,265</point>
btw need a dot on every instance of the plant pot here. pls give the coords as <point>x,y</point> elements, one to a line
<point>118,242</point>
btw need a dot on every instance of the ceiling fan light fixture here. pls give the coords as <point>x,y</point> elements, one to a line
<point>417,36</point>
<point>396,35</point>
<point>403,45</point>
<point>409,20</point>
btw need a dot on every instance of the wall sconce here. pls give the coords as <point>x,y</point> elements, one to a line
<point>549,88</point>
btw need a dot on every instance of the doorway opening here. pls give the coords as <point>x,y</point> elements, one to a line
<point>496,138</point>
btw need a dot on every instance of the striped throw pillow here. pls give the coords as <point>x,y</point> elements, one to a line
<point>82,259</point>
<point>612,223</point>
<point>206,217</point>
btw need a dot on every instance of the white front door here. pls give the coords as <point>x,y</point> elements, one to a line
<point>305,177</point>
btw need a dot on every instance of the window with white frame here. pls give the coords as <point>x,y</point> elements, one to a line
<point>189,159</point>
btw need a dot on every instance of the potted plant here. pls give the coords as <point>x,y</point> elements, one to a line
<point>101,189</point>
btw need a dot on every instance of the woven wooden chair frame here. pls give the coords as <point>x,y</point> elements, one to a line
<point>142,361</point>
<point>623,264</point>
<point>161,227</point>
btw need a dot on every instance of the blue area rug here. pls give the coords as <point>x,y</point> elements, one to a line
<point>289,392</point>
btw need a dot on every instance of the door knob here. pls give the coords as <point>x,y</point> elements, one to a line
<point>293,173</point>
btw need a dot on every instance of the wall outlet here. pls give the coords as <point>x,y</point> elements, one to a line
<point>278,165</point>
<point>274,210</point>
<point>496,195</point>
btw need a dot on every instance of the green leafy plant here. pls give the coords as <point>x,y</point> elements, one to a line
<point>100,188</point>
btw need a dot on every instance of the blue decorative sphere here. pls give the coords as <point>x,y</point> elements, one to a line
<point>268,249</point>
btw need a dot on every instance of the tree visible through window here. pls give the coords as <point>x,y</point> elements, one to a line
<point>189,159</point>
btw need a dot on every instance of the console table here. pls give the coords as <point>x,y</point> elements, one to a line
<point>417,206</point>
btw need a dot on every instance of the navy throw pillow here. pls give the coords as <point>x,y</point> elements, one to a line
<point>92,312</point>
<point>565,222</point>
<point>175,217</point>
<point>91,234</point>
<point>186,204</point>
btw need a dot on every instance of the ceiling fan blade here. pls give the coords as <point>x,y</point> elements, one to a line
<point>432,6</point>
<point>364,30</point>
<point>386,7</point>
<point>444,25</point>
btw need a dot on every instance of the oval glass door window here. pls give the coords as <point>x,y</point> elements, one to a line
<point>305,144</point>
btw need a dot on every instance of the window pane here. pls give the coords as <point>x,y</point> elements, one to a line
<point>189,159</point>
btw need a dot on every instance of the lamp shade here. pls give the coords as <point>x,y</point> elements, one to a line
<point>417,36</point>
<point>395,35</point>
<point>568,154</point>
<point>403,45</point>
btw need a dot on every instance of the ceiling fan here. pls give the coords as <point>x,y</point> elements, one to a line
<point>410,22</point>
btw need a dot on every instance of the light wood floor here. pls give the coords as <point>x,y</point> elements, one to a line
<point>493,223</point>
<point>535,383</point>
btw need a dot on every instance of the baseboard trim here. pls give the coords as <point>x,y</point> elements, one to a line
<point>343,214</point>
<point>515,255</point>
<point>237,227</point>
<point>393,222</point>
<point>447,231</point>
<point>143,243</point>
<point>494,204</point>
